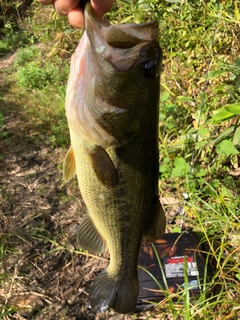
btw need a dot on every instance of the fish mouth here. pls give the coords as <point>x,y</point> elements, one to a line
<point>118,44</point>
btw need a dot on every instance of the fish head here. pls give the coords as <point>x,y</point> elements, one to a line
<point>113,85</point>
<point>126,60</point>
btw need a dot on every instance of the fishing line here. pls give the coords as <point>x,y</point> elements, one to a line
<point>185,195</point>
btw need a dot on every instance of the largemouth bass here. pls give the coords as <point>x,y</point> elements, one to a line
<point>112,111</point>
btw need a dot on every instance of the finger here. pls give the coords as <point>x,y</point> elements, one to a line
<point>101,7</point>
<point>47,2</point>
<point>76,18</point>
<point>65,6</point>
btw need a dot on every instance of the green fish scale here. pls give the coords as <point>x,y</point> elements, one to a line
<point>121,213</point>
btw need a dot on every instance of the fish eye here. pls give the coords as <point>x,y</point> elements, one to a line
<point>149,69</point>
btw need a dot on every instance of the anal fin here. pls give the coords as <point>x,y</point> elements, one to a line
<point>158,225</point>
<point>103,166</point>
<point>69,165</point>
<point>89,238</point>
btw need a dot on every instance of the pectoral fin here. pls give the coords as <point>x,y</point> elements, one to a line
<point>157,227</point>
<point>69,165</point>
<point>89,238</point>
<point>103,166</point>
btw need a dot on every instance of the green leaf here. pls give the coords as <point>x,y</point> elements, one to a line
<point>181,168</point>
<point>176,229</point>
<point>184,98</point>
<point>203,96</point>
<point>215,183</point>
<point>203,131</point>
<point>236,138</point>
<point>164,168</point>
<point>237,84</point>
<point>233,108</point>
<point>222,115</point>
<point>225,192</point>
<point>226,147</point>
<point>237,62</point>
<point>126,20</point>
<point>164,96</point>
<point>201,144</point>
<point>227,132</point>
<point>236,11</point>
<point>215,73</point>
<point>201,173</point>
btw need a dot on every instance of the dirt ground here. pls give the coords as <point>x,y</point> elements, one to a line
<point>43,274</point>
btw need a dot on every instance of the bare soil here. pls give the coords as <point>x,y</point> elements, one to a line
<point>43,276</point>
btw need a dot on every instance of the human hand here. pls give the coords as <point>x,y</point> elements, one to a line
<point>72,9</point>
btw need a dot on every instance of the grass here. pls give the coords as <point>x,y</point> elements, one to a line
<point>199,121</point>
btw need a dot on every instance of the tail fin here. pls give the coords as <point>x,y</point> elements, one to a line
<point>111,292</point>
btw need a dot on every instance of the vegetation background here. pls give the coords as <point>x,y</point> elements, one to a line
<point>42,273</point>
